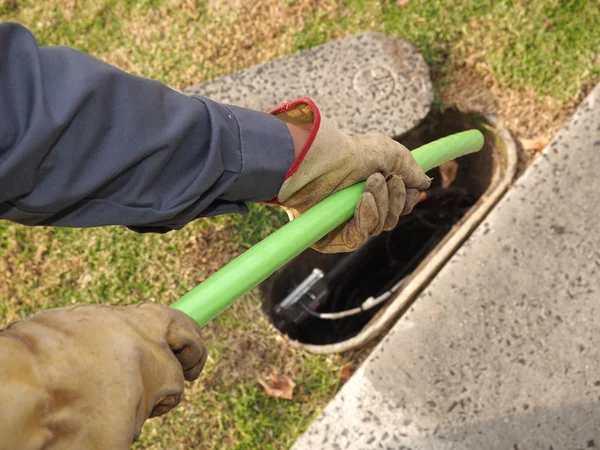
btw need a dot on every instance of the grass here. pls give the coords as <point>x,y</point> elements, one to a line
<point>246,417</point>
<point>525,56</point>
<point>528,61</point>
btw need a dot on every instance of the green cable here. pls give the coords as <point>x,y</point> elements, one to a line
<point>210,298</point>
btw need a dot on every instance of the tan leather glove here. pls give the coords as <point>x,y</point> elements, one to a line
<point>87,377</point>
<point>332,160</point>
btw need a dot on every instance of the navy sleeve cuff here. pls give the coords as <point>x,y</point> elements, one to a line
<point>266,153</point>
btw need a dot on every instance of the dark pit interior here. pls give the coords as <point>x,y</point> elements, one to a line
<point>384,261</point>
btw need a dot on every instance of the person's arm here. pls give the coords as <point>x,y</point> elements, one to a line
<point>85,144</point>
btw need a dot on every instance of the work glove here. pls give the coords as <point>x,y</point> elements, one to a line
<point>87,377</point>
<point>332,160</point>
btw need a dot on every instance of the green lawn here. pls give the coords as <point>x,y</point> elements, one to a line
<point>550,46</point>
<point>534,56</point>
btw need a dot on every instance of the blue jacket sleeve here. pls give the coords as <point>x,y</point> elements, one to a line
<point>84,144</point>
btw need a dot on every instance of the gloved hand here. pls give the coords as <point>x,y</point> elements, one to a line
<point>87,377</point>
<point>332,160</point>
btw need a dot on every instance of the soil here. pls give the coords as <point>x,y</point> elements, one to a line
<point>523,113</point>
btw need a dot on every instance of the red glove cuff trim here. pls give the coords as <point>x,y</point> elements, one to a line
<point>313,132</point>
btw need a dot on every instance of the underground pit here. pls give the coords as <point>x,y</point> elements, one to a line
<point>374,285</point>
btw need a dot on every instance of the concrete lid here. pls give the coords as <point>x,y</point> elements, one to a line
<point>369,82</point>
<point>502,350</point>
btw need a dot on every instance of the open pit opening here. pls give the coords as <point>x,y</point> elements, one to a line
<point>324,299</point>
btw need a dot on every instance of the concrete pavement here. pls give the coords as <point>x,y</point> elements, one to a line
<point>502,350</point>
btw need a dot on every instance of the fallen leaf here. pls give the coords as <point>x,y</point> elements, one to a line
<point>536,144</point>
<point>346,372</point>
<point>402,3</point>
<point>448,170</point>
<point>280,386</point>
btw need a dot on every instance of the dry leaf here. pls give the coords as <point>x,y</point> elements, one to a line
<point>448,170</point>
<point>346,372</point>
<point>280,386</point>
<point>536,144</point>
<point>402,3</point>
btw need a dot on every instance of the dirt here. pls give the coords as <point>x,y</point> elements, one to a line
<point>207,252</point>
<point>471,89</point>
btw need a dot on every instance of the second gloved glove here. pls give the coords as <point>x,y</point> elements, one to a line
<point>332,160</point>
